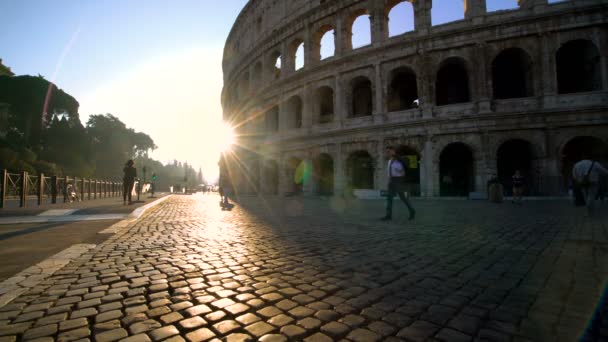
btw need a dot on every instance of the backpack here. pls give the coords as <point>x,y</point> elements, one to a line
<point>586,181</point>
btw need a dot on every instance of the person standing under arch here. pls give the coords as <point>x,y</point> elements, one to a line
<point>128,181</point>
<point>586,174</point>
<point>396,184</point>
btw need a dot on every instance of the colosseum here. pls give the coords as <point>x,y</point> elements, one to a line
<point>465,101</point>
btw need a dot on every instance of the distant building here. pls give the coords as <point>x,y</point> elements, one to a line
<point>4,71</point>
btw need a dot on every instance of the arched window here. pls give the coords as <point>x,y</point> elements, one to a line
<point>456,170</point>
<point>500,5</point>
<point>403,90</point>
<point>294,112</point>
<point>578,67</point>
<point>452,84</point>
<point>323,170</point>
<point>512,74</point>
<point>257,74</point>
<point>361,30</point>
<point>515,155</point>
<point>400,17</point>
<point>360,170</point>
<point>445,11</point>
<point>272,120</point>
<point>297,51</point>
<point>362,97</point>
<point>276,64</point>
<point>327,42</point>
<point>325,102</point>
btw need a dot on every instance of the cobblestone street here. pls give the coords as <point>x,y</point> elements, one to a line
<point>323,270</point>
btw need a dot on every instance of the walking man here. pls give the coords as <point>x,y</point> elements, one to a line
<point>396,184</point>
<point>586,174</point>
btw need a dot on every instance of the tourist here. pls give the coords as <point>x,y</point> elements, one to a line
<point>586,174</point>
<point>128,179</point>
<point>518,187</point>
<point>396,184</point>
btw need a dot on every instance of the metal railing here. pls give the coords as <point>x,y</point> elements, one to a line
<point>41,189</point>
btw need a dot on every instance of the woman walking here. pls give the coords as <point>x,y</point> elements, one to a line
<point>518,187</point>
<point>128,180</point>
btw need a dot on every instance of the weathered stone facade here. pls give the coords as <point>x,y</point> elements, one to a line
<point>496,91</point>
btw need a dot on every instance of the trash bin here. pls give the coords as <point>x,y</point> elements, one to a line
<point>496,193</point>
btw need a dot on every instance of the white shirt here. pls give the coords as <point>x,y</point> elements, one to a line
<point>580,170</point>
<point>395,168</point>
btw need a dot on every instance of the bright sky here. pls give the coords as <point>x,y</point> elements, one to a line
<point>155,64</point>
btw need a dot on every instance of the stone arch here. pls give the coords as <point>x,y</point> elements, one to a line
<point>360,21</point>
<point>456,170</point>
<point>399,9</point>
<point>323,174</point>
<point>410,155</point>
<point>275,64</point>
<point>294,108</point>
<point>360,170</point>
<point>403,90</point>
<point>324,43</point>
<point>578,67</point>
<point>512,155</point>
<point>271,118</point>
<point>362,97</point>
<point>512,74</point>
<point>296,54</point>
<point>452,83</point>
<point>325,104</point>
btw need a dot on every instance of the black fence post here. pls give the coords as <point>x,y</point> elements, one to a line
<point>54,189</point>
<point>40,189</point>
<point>23,190</point>
<point>65,189</point>
<point>89,189</point>
<point>82,190</point>
<point>3,190</point>
<point>95,189</point>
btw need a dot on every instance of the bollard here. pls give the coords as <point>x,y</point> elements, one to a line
<point>3,189</point>
<point>82,190</point>
<point>23,190</point>
<point>54,189</point>
<point>89,189</point>
<point>40,190</point>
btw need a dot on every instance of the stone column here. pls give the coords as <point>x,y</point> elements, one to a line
<point>341,36</point>
<point>427,170</point>
<point>378,94</point>
<point>474,10</point>
<point>288,60</point>
<point>307,107</point>
<point>309,58</point>
<point>381,167</point>
<point>482,91</point>
<point>340,111</point>
<point>339,171</point>
<point>548,70</point>
<point>425,82</point>
<point>308,186</point>
<point>379,23</point>
<point>422,16</point>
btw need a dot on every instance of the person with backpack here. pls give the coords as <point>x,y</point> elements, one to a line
<point>586,174</point>
<point>396,184</point>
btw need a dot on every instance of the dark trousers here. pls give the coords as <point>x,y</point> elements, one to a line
<point>127,188</point>
<point>396,186</point>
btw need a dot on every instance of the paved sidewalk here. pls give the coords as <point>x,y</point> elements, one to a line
<point>316,270</point>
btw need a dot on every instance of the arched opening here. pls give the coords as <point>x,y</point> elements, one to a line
<point>327,43</point>
<point>400,17</point>
<point>325,102</point>
<point>512,74</point>
<point>324,174</point>
<point>271,171</point>
<point>360,170</point>
<point>578,67</point>
<point>445,11</point>
<point>295,171</point>
<point>412,174</point>
<point>362,97</point>
<point>511,156</point>
<point>576,149</point>
<point>272,119</point>
<point>452,82</point>
<point>257,74</point>
<point>501,5</point>
<point>294,112</point>
<point>361,30</point>
<point>297,48</point>
<point>403,90</point>
<point>276,64</point>
<point>456,170</point>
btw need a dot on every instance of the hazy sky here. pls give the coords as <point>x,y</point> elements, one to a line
<point>155,64</point>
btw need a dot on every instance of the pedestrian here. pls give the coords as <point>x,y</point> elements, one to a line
<point>128,181</point>
<point>518,187</point>
<point>586,174</point>
<point>396,184</point>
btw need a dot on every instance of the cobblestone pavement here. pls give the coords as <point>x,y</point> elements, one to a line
<point>315,270</point>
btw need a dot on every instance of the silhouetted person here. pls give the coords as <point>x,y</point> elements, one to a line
<point>586,173</point>
<point>518,187</point>
<point>396,184</point>
<point>128,180</point>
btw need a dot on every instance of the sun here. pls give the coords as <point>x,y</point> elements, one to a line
<point>226,138</point>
